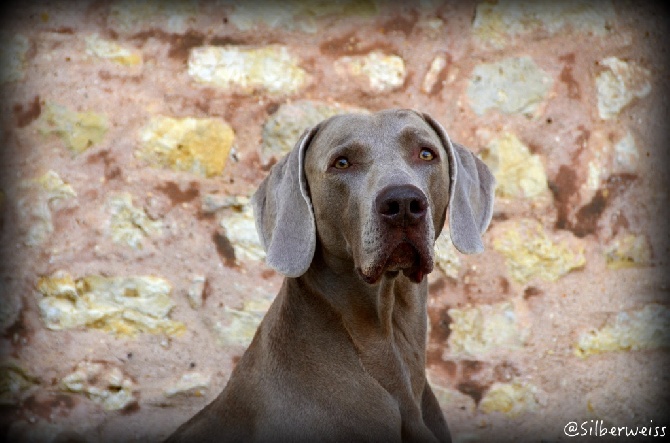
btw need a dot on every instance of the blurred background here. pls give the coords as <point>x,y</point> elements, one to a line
<point>133,134</point>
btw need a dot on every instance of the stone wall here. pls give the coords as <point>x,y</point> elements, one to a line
<point>134,133</point>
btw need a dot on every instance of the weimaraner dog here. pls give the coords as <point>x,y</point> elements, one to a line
<point>340,355</point>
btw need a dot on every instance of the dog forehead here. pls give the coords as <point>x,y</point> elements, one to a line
<point>387,127</point>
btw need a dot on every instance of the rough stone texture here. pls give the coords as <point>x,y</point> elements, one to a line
<point>197,145</point>
<point>192,383</point>
<point>240,229</point>
<point>270,69</point>
<point>285,126</point>
<point>295,14</point>
<point>576,253</point>
<point>121,305</point>
<point>532,254</point>
<point>383,72</point>
<point>240,325</point>
<point>432,76</point>
<point>618,84</point>
<point>622,157</point>
<point>500,23</point>
<point>518,173</point>
<point>78,130</point>
<point>512,85</point>
<point>102,383</point>
<point>129,224</point>
<point>481,329</point>
<point>15,381</point>
<point>447,257</point>
<point>196,291</point>
<point>131,16</point>
<point>628,251</point>
<point>106,49</point>
<point>39,198</point>
<point>646,328</point>
<point>510,398</point>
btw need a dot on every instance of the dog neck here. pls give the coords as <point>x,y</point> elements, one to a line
<point>385,322</point>
<point>391,306</point>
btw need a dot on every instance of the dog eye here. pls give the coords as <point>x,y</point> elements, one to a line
<point>341,163</point>
<point>426,154</point>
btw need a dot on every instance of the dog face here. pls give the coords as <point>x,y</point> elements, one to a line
<point>382,183</point>
<point>373,190</point>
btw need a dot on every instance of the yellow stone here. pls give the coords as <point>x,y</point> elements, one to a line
<point>509,398</point>
<point>119,305</point>
<point>645,328</point>
<point>447,256</point>
<point>197,145</point>
<point>481,329</point>
<point>628,251</point>
<point>530,253</point>
<point>518,173</point>
<point>79,130</point>
<point>106,49</point>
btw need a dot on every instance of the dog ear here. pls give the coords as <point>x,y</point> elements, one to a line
<point>471,193</point>
<point>284,215</point>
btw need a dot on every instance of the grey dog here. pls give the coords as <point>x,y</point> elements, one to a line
<point>350,217</point>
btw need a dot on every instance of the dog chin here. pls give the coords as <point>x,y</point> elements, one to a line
<point>405,257</point>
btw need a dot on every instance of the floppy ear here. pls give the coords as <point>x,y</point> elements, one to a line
<point>283,213</point>
<point>471,192</point>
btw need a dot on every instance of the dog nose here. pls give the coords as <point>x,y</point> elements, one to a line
<point>403,205</point>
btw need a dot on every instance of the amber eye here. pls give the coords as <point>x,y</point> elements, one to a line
<point>426,154</point>
<point>341,163</point>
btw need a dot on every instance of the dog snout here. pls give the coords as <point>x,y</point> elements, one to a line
<point>403,205</point>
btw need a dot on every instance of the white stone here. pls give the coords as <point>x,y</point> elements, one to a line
<point>106,49</point>
<point>384,73</point>
<point>511,85</point>
<point>498,23</point>
<point>104,384</point>
<point>129,224</point>
<point>38,199</point>
<point>271,69</point>
<point>196,291</point>
<point>430,80</point>
<point>282,129</point>
<point>191,383</point>
<point>240,229</point>
<point>619,84</point>
<point>447,256</point>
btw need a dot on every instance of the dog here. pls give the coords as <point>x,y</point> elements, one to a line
<point>350,217</point>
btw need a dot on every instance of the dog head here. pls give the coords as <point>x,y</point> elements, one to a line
<point>374,190</point>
